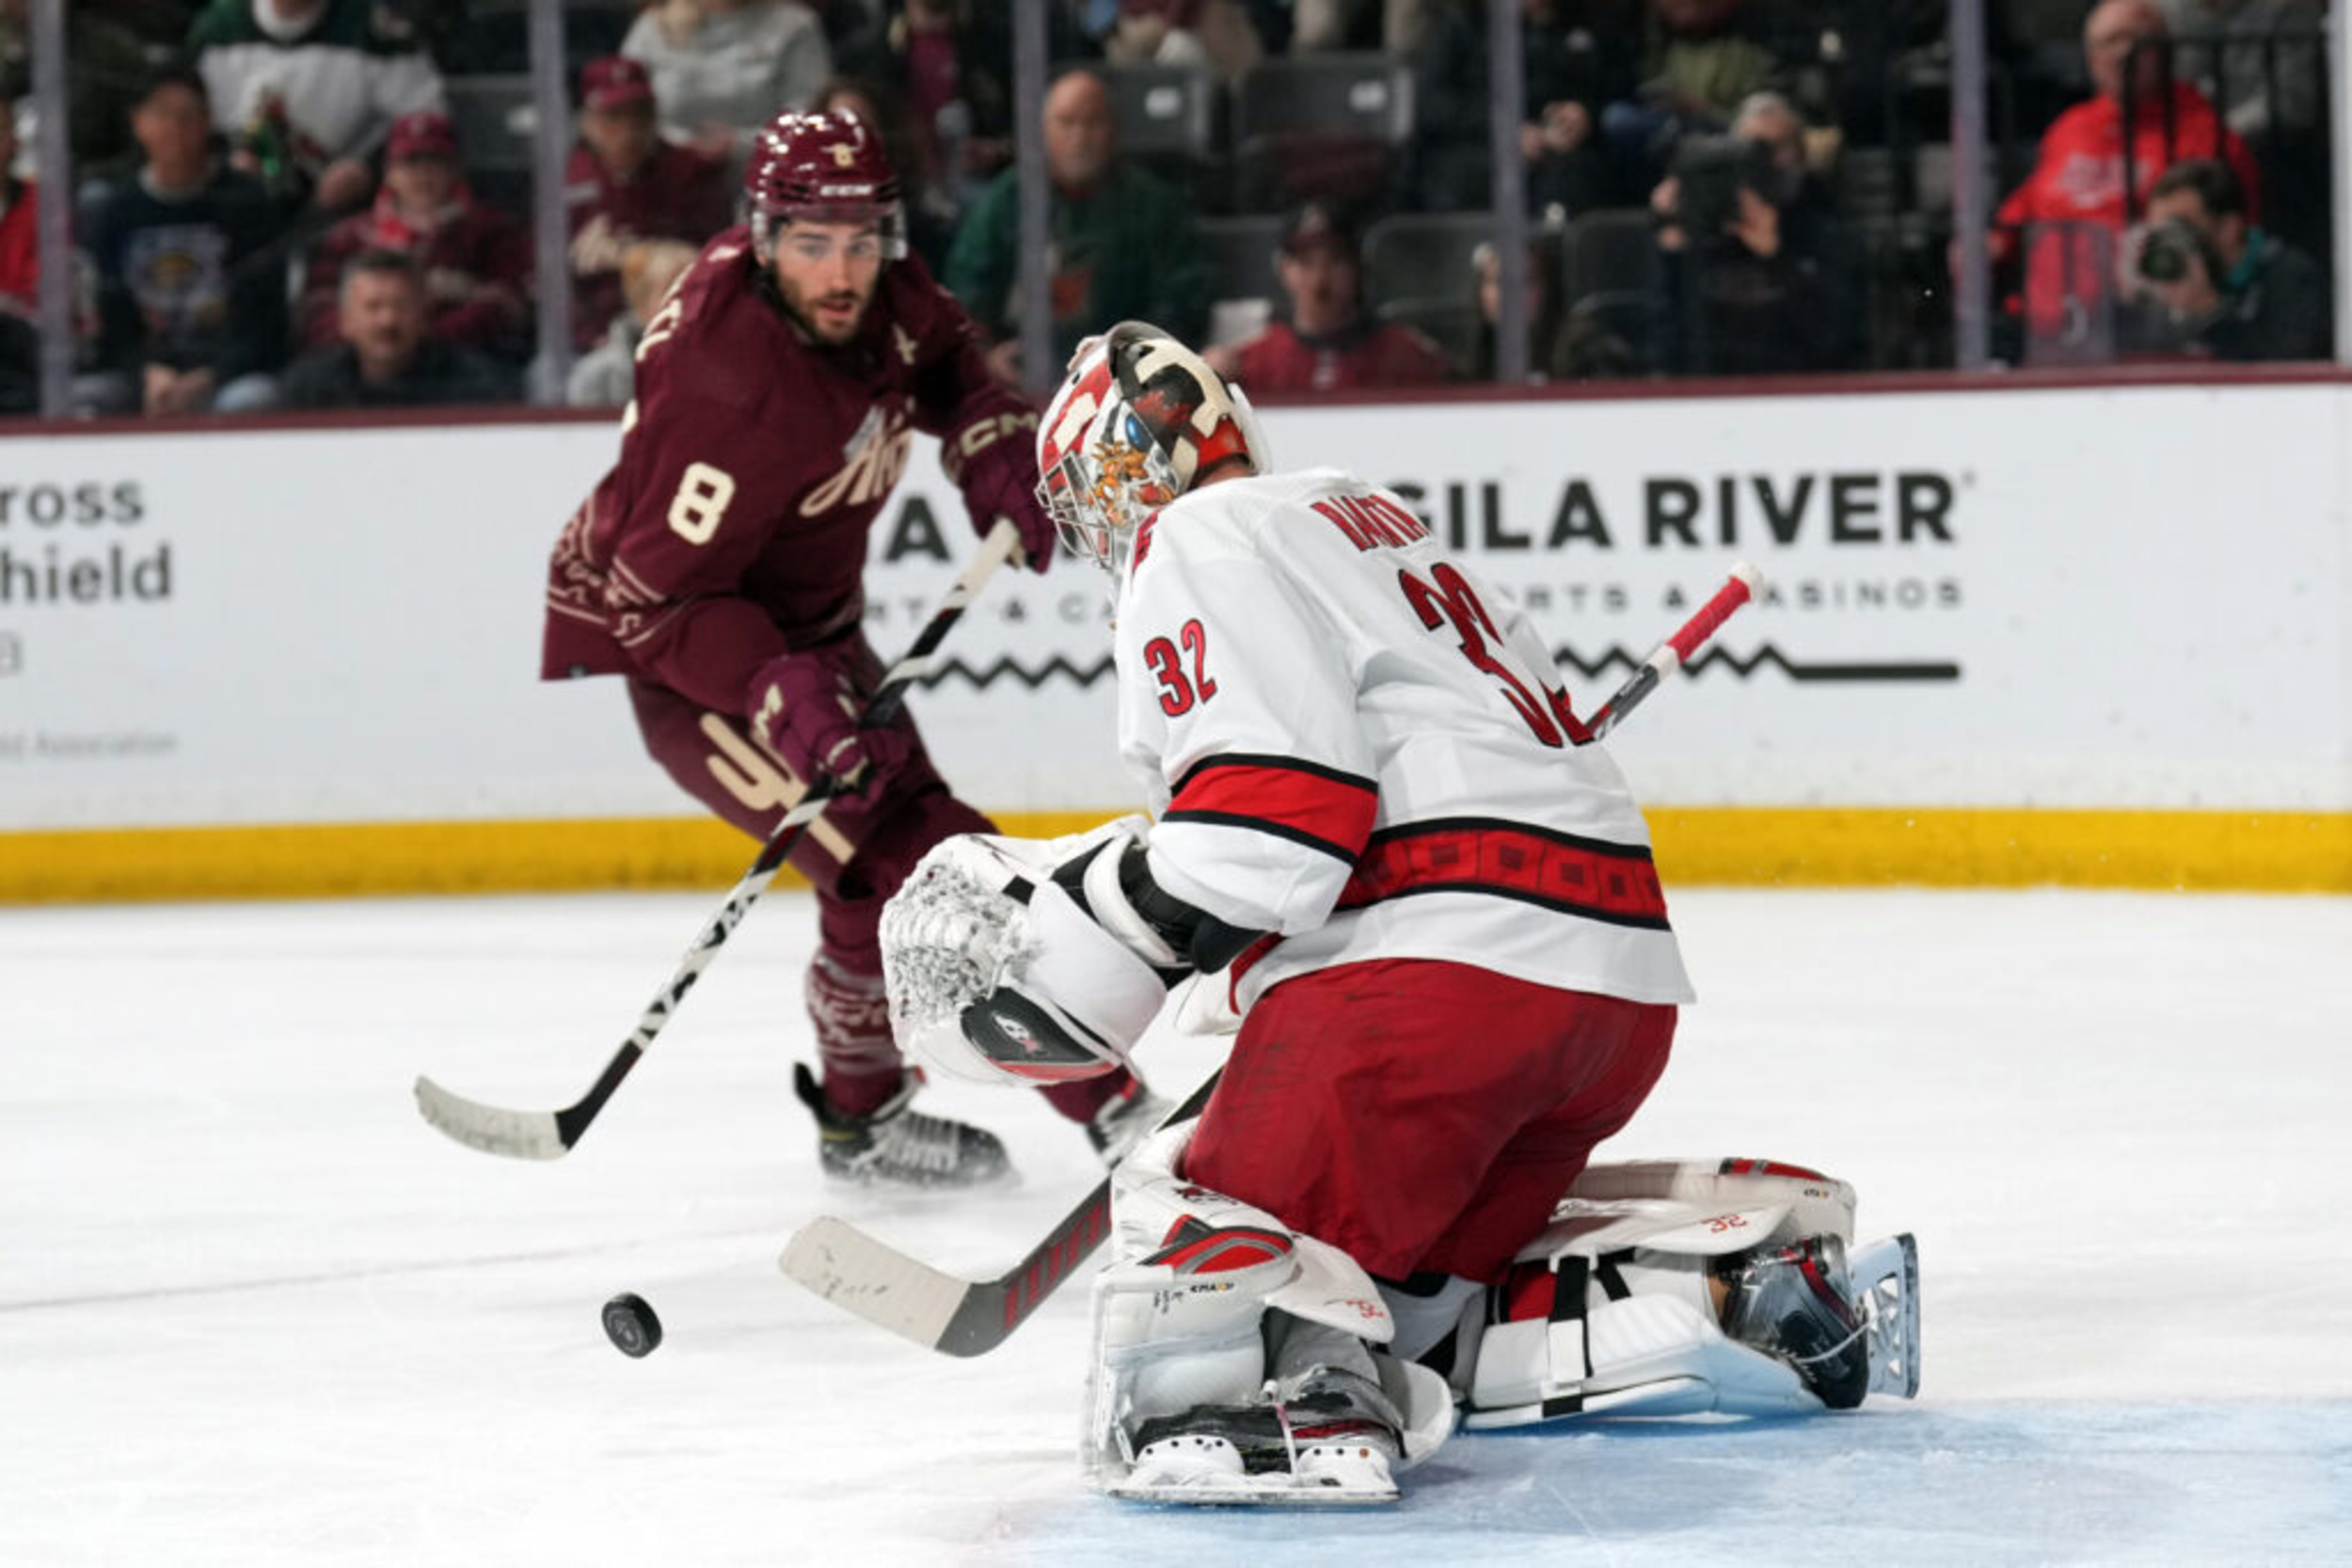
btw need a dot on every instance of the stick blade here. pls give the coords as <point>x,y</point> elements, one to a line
<point>869,1279</point>
<point>516,1135</point>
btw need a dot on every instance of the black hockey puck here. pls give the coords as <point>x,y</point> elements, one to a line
<point>630,1324</point>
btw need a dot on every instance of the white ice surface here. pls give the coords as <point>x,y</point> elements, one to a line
<point>254,1310</point>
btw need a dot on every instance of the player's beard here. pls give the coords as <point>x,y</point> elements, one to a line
<point>830,320</point>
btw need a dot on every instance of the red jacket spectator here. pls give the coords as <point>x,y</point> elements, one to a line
<point>2078,177</point>
<point>476,259</point>
<point>20,247</point>
<point>624,184</point>
<point>20,251</point>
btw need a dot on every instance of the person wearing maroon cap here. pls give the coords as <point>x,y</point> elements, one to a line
<point>1324,340</point>
<point>625,185</point>
<point>475,259</point>
<point>719,569</point>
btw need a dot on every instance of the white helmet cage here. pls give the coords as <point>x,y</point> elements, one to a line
<point>1138,418</point>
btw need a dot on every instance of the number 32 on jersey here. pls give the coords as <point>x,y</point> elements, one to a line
<point>1183,678</point>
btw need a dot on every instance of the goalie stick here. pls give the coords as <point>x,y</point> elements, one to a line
<point>946,1312</point>
<point>551,1134</point>
<point>962,1317</point>
<point>1677,650</point>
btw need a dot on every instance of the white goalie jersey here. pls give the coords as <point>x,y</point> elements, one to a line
<point>1350,741</point>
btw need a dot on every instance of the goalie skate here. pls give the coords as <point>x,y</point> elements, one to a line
<point>1320,1452</point>
<point>1885,1275</point>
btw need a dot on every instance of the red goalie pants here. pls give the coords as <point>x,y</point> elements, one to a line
<point>1423,1116</point>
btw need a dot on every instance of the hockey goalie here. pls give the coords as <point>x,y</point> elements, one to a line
<point>1381,836</point>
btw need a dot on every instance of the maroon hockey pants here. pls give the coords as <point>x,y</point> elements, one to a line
<point>1423,1116</point>
<point>855,856</point>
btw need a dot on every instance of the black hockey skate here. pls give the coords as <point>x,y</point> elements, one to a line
<point>899,1146</point>
<point>1794,1303</point>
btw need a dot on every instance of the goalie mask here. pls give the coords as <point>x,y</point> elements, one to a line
<point>1137,420</point>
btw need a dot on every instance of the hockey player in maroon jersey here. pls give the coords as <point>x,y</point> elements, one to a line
<point>1433,899</point>
<point>718,568</point>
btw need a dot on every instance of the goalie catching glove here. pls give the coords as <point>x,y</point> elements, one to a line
<point>1040,960</point>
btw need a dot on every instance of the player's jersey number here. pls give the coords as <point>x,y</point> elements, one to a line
<point>701,501</point>
<point>1445,599</point>
<point>1179,694</point>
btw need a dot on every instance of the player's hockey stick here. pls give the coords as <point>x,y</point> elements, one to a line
<point>962,1317</point>
<point>1677,650</point>
<point>551,1134</point>
<point>970,1317</point>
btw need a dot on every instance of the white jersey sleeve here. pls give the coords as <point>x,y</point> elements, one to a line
<point>1235,696</point>
<point>1352,741</point>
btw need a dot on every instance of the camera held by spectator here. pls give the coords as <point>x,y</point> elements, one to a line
<point>2172,250</point>
<point>1708,174</point>
<point>2209,282</point>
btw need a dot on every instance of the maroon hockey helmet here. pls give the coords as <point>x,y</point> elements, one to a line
<point>823,167</point>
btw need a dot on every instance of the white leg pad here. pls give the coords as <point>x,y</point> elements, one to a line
<point>1651,1344</point>
<point>1649,1355</point>
<point>1178,1322</point>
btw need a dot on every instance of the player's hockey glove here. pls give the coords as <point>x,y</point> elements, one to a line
<point>803,708</point>
<point>993,460</point>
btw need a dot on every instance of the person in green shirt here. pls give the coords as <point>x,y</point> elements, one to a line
<point>1121,244</point>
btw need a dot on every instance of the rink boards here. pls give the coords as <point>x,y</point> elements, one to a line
<point>2087,635</point>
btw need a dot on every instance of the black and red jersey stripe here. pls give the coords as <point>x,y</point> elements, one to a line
<point>1304,803</point>
<point>1616,884</point>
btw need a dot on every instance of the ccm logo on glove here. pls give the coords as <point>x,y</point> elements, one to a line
<point>993,462</point>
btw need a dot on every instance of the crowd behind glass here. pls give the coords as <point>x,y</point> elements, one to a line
<point>292,204</point>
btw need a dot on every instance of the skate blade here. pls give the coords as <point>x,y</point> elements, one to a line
<point>1269,1491</point>
<point>1885,1277</point>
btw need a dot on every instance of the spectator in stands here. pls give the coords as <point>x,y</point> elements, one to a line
<point>20,278</point>
<point>305,90</point>
<point>106,64</point>
<point>1577,55</point>
<point>2265,84</point>
<point>1121,242</point>
<point>624,184</point>
<point>1324,340</point>
<point>476,260</point>
<point>1761,277</point>
<point>722,68</point>
<point>1698,65</point>
<point>389,357</point>
<point>605,376</point>
<point>2077,181</point>
<point>2211,284</point>
<point>188,268</point>
<point>1214,36</point>
<point>1543,307</point>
